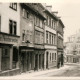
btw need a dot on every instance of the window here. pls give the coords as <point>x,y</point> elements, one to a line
<point>41,24</point>
<point>50,56</point>
<point>54,25</point>
<point>13,6</point>
<point>47,37</point>
<point>54,39</point>
<point>47,20</point>
<point>23,35</point>
<point>50,38</point>
<point>35,19</point>
<point>38,22</point>
<point>39,37</point>
<point>42,38</point>
<point>25,13</point>
<point>15,57</point>
<point>55,56</point>
<point>50,22</point>
<point>12,27</point>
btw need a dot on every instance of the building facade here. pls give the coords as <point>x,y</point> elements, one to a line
<point>9,38</point>
<point>32,37</point>
<point>60,53</point>
<point>28,38</point>
<point>50,39</point>
<point>39,37</point>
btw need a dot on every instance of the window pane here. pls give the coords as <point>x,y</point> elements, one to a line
<point>10,26</point>
<point>14,28</point>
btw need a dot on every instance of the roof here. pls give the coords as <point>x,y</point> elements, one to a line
<point>26,5</point>
<point>51,14</point>
<point>61,23</point>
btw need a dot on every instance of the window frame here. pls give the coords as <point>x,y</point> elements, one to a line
<point>12,6</point>
<point>13,32</point>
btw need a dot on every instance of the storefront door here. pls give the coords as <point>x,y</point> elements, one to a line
<point>23,62</point>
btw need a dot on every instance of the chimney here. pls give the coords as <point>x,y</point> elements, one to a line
<point>49,8</point>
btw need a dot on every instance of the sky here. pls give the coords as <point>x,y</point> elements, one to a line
<point>69,11</point>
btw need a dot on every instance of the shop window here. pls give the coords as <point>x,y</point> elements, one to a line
<point>13,6</point>
<point>5,61</point>
<point>12,27</point>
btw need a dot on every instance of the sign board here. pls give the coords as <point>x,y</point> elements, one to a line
<point>8,39</point>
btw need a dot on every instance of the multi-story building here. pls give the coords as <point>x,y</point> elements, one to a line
<point>60,32</point>
<point>31,37</point>
<point>50,38</point>
<point>28,38</point>
<point>39,37</point>
<point>9,36</point>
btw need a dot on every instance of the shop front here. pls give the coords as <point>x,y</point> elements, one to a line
<point>9,64</point>
<point>39,59</point>
<point>26,59</point>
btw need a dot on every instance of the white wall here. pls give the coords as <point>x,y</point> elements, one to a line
<point>7,13</point>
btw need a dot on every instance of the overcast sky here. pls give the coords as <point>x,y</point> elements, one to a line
<point>69,11</point>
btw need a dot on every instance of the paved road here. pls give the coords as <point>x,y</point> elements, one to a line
<point>72,71</point>
<point>68,70</point>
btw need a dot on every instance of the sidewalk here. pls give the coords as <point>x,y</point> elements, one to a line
<point>37,73</point>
